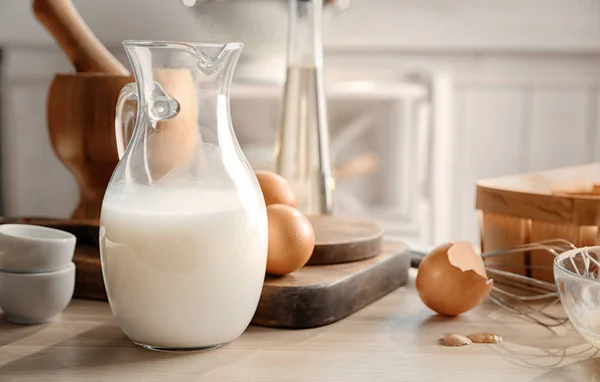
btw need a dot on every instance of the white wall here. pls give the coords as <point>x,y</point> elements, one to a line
<point>526,75</point>
<point>483,25</point>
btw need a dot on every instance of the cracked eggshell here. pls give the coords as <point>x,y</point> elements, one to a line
<point>452,279</point>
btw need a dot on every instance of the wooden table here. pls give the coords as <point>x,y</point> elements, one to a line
<point>394,339</point>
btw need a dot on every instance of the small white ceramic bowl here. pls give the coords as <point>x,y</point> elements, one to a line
<point>26,248</point>
<point>35,298</point>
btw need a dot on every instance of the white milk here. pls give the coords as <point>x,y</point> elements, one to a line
<point>183,268</point>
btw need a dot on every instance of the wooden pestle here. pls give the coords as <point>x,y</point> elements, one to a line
<point>75,38</point>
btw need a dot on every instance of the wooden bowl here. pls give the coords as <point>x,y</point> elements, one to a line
<point>81,125</point>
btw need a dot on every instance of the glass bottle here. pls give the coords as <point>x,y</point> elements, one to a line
<point>302,145</point>
<point>183,226</point>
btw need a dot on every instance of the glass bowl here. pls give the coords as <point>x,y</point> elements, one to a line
<point>577,277</point>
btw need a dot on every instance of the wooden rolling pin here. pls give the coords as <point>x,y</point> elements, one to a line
<point>75,38</point>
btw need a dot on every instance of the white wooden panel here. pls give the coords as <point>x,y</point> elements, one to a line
<point>493,145</point>
<point>34,181</point>
<point>459,160</point>
<point>443,148</point>
<point>560,128</point>
<point>595,115</point>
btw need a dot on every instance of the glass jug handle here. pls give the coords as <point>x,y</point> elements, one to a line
<point>124,118</point>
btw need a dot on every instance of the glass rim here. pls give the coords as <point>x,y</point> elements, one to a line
<point>571,252</point>
<point>27,232</point>
<point>190,44</point>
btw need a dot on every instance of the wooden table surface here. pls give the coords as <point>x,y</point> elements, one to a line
<point>394,339</point>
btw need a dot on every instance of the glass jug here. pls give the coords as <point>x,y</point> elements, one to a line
<point>183,226</point>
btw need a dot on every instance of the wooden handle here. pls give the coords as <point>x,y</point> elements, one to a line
<point>80,44</point>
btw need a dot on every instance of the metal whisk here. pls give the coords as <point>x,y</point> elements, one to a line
<point>523,295</point>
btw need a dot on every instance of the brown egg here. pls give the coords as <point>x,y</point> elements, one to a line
<point>291,239</point>
<point>452,279</point>
<point>275,189</point>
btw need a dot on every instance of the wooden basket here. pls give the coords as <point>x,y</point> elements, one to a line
<point>561,203</point>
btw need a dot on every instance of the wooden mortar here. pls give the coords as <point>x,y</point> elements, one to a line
<point>81,125</point>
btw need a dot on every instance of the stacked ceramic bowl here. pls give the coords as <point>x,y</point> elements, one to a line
<point>37,274</point>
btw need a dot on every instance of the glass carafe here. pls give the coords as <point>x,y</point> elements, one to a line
<point>183,227</point>
<point>302,145</point>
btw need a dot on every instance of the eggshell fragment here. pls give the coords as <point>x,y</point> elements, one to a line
<point>455,340</point>
<point>291,239</point>
<point>452,279</point>
<point>485,338</point>
<point>275,189</point>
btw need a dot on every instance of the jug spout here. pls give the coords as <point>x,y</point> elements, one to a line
<point>219,60</point>
<point>213,56</point>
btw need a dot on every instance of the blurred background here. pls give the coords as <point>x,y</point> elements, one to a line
<point>425,97</point>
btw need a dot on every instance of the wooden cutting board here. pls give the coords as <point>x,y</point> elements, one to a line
<point>315,295</point>
<point>319,295</point>
<point>342,239</point>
